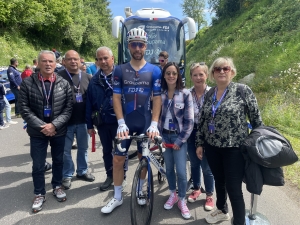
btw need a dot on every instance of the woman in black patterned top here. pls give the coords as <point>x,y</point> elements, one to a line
<point>222,128</point>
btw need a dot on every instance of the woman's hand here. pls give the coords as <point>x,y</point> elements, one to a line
<point>176,147</point>
<point>199,152</point>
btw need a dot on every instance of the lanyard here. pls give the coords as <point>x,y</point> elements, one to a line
<point>78,86</point>
<point>44,88</point>
<point>106,80</point>
<point>214,108</point>
<point>170,103</point>
<point>199,102</point>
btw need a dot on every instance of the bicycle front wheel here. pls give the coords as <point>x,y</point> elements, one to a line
<point>142,194</point>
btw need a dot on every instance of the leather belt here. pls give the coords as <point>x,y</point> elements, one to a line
<point>165,131</point>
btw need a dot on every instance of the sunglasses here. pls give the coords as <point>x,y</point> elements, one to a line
<point>137,44</point>
<point>171,73</point>
<point>198,63</point>
<point>161,60</point>
<point>226,69</point>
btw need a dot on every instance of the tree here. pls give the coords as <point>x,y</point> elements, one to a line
<point>195,10</point>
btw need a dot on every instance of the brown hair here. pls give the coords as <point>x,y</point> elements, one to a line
<point>163,54</point>
<point>179,84</point>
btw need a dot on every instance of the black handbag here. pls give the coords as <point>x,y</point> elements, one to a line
<point>97,117</point>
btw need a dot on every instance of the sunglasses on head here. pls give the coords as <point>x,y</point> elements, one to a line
<point>137,44</point>
<point>226,69</point>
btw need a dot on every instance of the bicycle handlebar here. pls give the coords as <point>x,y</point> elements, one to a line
<point>141,137</point>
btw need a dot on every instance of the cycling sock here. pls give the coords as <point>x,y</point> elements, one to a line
<point>118,192</point>
<point>142,181</point>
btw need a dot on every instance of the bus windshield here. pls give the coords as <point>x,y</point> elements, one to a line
<point>163,35</point>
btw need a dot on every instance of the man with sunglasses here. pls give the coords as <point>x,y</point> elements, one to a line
<point>99,95</point>
<point>135,82</point>
<point>163,59</point>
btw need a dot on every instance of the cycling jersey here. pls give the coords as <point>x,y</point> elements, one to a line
<point>137,86</point>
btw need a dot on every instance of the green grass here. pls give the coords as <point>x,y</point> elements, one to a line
<point>263,39</point>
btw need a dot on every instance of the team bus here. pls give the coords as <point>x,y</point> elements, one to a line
<point>165,33</point>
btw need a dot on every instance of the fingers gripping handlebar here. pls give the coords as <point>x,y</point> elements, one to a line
<point>142,137</point>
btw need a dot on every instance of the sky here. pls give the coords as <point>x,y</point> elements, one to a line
<point>173,6</point>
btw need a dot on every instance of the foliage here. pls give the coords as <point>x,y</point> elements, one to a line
<point>195,10</point>
<point>83,25</point>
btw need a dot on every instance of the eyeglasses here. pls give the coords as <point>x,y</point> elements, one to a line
<point>137,44</point>
<point>171,73</point>
<point>226,69</point>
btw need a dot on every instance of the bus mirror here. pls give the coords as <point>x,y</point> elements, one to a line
<point>116,25</point>
<point>191,25</point>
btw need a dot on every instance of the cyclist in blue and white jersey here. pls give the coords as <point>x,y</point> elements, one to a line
<point>134,83</point>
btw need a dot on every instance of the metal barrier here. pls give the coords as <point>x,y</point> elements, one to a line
<point>253,217</point>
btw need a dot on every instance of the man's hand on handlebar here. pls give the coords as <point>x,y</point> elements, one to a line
<point>123,130</point>
<point>152,131</point>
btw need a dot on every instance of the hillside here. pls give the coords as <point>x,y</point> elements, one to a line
<point>265,40</point>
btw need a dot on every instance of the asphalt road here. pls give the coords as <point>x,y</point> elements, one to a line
<point>280,205</point>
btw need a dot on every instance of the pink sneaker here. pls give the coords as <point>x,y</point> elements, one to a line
<point>193,197</point>
<point>185,212</point>
<point>209,203</point>
<point>171,201</point>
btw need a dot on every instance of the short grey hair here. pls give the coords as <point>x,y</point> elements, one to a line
<point>46,52</point>
<point>105,48</point>
<point>219,62</point>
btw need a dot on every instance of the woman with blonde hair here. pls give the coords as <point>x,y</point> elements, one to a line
<point>222,128</point>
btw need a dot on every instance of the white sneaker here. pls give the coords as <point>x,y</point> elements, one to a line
<point>142,199</point>
<point>12,122</point>
<point>111,205</point>
<point>4,126</point>
<point>38,202</point>
<point>59,194</point>
<point>217,216</point>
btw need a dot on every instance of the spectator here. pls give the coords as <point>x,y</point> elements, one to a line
<point>59,64</point>
<point>222,128</point>
<point>27,72</point>
<point>176,124</point>
<point>46,115</point>
<point>163,59</point>
<point>8,112</point>
<point>83,67</point>
<point>79,82</point>
<point>2,105</point>
<point>15,80</point>
<point>199,73</point>
<point>35,64</point>
<point>99,95</point>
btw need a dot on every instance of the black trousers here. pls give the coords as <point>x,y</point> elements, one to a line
<point>228,166</point>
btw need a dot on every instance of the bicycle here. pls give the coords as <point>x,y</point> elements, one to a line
<point>142,191</point>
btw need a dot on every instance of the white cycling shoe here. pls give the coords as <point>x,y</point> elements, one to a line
<point>111,205</point>
<point>142,200</point>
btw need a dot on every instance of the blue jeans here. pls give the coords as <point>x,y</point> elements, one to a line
<point>197,164</point>
<point>2,105</point>
<point>7,110</point>
<point>15,91</point>
<point>82,139</point>
<point>38,153</point>
<point>178,158</point>
<point>228,166</point>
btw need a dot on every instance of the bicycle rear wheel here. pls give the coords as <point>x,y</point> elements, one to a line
<point>142,195</point>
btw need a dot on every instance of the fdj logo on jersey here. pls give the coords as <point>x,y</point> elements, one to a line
<point>136,90</point>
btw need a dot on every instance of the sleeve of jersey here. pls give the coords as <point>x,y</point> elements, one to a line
<point>117,80</point>
<point>156,86</point>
